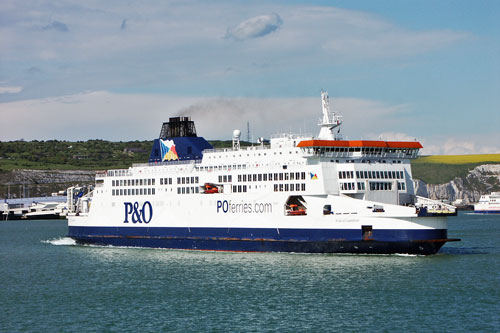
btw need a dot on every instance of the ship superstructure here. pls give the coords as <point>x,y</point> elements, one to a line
<point>488,204</point>
<point>296,194</point>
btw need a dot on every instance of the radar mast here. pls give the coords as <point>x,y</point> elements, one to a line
<point>330,121</point>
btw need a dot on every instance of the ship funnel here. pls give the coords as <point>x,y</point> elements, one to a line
<point>178,127</point>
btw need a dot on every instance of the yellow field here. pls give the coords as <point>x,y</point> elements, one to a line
<point>459,159</point>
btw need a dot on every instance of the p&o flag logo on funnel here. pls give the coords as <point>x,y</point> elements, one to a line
<point>168,152</point>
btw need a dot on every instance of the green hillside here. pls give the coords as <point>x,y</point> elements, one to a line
<point>101,154</point>
<point>80,155</point>
<point>439,169</point>
<point>54,154</point>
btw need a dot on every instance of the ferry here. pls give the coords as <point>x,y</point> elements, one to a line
<point>293,193</point>
<point>488,204</point>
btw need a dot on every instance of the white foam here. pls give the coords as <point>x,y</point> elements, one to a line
<point>407,255</point>
<point>61,241</point>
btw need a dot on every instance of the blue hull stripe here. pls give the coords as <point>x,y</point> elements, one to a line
<point>487,211</point>
<point>265,239</point>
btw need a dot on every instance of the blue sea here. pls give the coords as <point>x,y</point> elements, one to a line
<point>47,283</point>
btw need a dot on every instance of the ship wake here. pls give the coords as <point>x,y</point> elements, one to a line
<point>60,241</point>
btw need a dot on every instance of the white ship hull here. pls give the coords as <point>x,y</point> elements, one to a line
<point>246,223</point>
<point>297,194</point>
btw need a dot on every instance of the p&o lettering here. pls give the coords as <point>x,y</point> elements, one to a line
<point>136,214</point>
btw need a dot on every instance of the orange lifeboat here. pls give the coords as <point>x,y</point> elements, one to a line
<point>210,189</point>
<point>295,210</point>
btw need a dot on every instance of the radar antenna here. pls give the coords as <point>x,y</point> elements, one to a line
<point>330,120</point>
<point>236,139</point>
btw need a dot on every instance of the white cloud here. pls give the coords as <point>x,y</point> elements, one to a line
<point>355,34</point>
<point>394,136</point>
<point>176,47</point>
<point>475,144</point>
<point>88,115</point>
<point>10,90</point>
<point>254,27</point>
<point>110,116</point>
<point>165,42</point>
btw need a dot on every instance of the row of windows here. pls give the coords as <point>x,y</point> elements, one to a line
<point>346,174</point>
<point>386,186</point>
<point>248,154</point>
<point>221,167</point>
<point>289,187</point>
<point>244,166</point>
<point>225,179</point>
<point>133,182</point>
<point>165,181</point>
<point>272,176</point>
<point>112,173</point>
<point>380,186</point>
<point>134,191</point>
<point>368,161</point>
<point>151,181</point>
<point>239,188</point>
<point>187,180</point>
<point>365,150</point>
<point>374,186</point>
<point>371,174</point>
<point>188,190</point>
<point>380,174</point>
<point>348,186</point>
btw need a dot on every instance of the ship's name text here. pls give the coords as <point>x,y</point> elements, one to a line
<point>138,214</point>
<point>226,206</point>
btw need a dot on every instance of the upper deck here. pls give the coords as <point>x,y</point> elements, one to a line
<point>179,150</point>
<point>362,148</point>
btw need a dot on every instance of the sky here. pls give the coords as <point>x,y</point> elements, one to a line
<point>116,70</point>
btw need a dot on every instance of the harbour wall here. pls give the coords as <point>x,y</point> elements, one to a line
<point>24,183</point>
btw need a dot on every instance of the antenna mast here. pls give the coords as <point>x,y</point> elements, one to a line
<point>330,120</point>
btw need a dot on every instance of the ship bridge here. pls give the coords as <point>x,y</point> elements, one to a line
<point>361,148</point>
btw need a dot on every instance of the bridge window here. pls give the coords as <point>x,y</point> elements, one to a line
<point>380,186</point>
